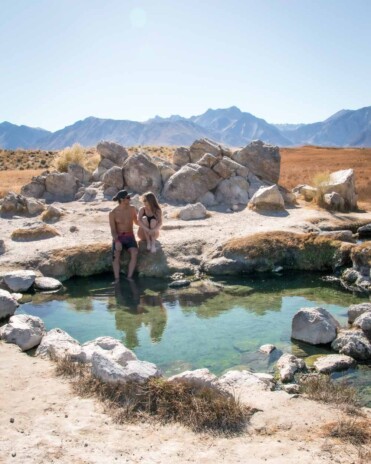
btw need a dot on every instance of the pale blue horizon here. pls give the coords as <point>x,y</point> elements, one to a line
<point>282,60</point>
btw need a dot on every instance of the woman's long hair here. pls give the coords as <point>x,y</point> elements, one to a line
<point>152,202</point>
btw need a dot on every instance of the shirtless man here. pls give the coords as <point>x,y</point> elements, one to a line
<point>121,220</point>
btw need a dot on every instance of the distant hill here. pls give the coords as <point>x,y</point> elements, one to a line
<point>12,136</point>
<point>230,126</point>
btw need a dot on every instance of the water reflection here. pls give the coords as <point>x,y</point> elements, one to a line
<point>135,308</point>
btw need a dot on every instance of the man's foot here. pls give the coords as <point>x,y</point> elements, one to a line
<point>130,279</point>
<point>115,282</point>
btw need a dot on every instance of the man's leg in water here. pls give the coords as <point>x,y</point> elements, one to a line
<point>133,261</point>
<point>116,261</point>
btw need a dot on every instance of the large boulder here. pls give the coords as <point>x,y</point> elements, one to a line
<point>181,156</point>
<point>342,183</point>
<point>226,168</point>
<point>356,310</point>
<point>268,198</point>
<point>202,146</point>
<point>189,212</point>
<point>34,207</point>
<point>13,203</point>
<point>24,331</point>
<point>113,177</point>
<point>232,191</point>
<point>58,344</point>
<point>333,363</point>
<point>8,304</point>
<point>314,325</point>
<point>262,159</point>
<point>80,173</point>
<point>190,183</point>
<point>19,281</point>
<point>60,186</point>
<point>353,343</point>
<point>288,365</point>
<point>141,174</point>
<point>113,152</point>
<point>364,322</point>
<point>34,189</point>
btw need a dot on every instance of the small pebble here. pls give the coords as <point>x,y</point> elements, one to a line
<point>14,455</point>
<point>12,420</point>
<point>66,415</point>
<point>86,445</point>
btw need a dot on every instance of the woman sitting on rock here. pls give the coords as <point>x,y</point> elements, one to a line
<point>149,221</point>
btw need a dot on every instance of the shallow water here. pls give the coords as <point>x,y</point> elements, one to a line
<point>186,329</point>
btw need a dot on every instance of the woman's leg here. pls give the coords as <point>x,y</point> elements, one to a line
<point>144,235</point>
<point>153,235</point>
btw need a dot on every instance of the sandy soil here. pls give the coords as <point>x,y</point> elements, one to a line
<point>43,422</point>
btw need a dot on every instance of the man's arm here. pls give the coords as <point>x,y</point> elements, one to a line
<point>135,215</point>
<point>112,224</point>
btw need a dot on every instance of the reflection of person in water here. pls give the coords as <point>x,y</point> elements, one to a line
<point>134,310</point>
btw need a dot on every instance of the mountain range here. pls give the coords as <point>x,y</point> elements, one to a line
<point>230,126</point>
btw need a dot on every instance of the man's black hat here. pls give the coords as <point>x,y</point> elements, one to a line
<point>121,195</point>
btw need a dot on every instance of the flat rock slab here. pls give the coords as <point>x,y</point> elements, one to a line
<point>333,363</point>
<point>47,283</point>
<point>179,283</point>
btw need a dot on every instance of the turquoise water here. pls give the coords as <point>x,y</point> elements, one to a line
<point>185,329</point>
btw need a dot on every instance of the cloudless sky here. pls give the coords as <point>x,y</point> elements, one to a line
<point>286,61</point>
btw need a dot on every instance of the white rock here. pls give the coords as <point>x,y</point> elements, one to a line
<point>268,197</point>
<point>356,310</point>
<point>24,331</point>
<point>198,377</point>
<point>314,325</point>
<point>8,304</point>
<point>240,382</point>
<point>353,343</point>
<point>288,365</point>
<point>364,321</point>
<point>19,281</point>
<point>291,388</point>
<point>196,211</point>
<point>34,207</point>
<point>58,344</point>
<point>333,362</point>
<point>107,346</point>
<point>47,283</point>
<point>267,349</point>
<point>108,370</point>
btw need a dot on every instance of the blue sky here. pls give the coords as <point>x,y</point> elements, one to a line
<point>286,61</point>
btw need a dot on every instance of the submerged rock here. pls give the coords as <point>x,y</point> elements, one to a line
<point>180,283</point>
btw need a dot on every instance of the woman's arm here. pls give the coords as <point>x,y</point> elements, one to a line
<point>159,221</point>
<point>140,220</point>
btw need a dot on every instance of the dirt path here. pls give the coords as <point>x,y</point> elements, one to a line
<point>43,422</point>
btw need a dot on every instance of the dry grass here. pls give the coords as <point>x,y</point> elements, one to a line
<point>11,160</point>
<point>76,154</point>
<point>165,153</point>
<point>300,165</point>
<point>13,180</point>
<point>35,233</point>
<point>322,388</point>
<point>201,409</point>
<point>350,430</point>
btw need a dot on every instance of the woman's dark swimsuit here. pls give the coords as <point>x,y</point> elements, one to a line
<point>127,240</point>
<point>149,219</point>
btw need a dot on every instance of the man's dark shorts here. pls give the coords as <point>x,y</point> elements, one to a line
<point>127,240</point>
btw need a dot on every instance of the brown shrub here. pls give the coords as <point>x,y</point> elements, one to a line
<point>34,233</point>
<point>201,409</point>
<point>351,430</point>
